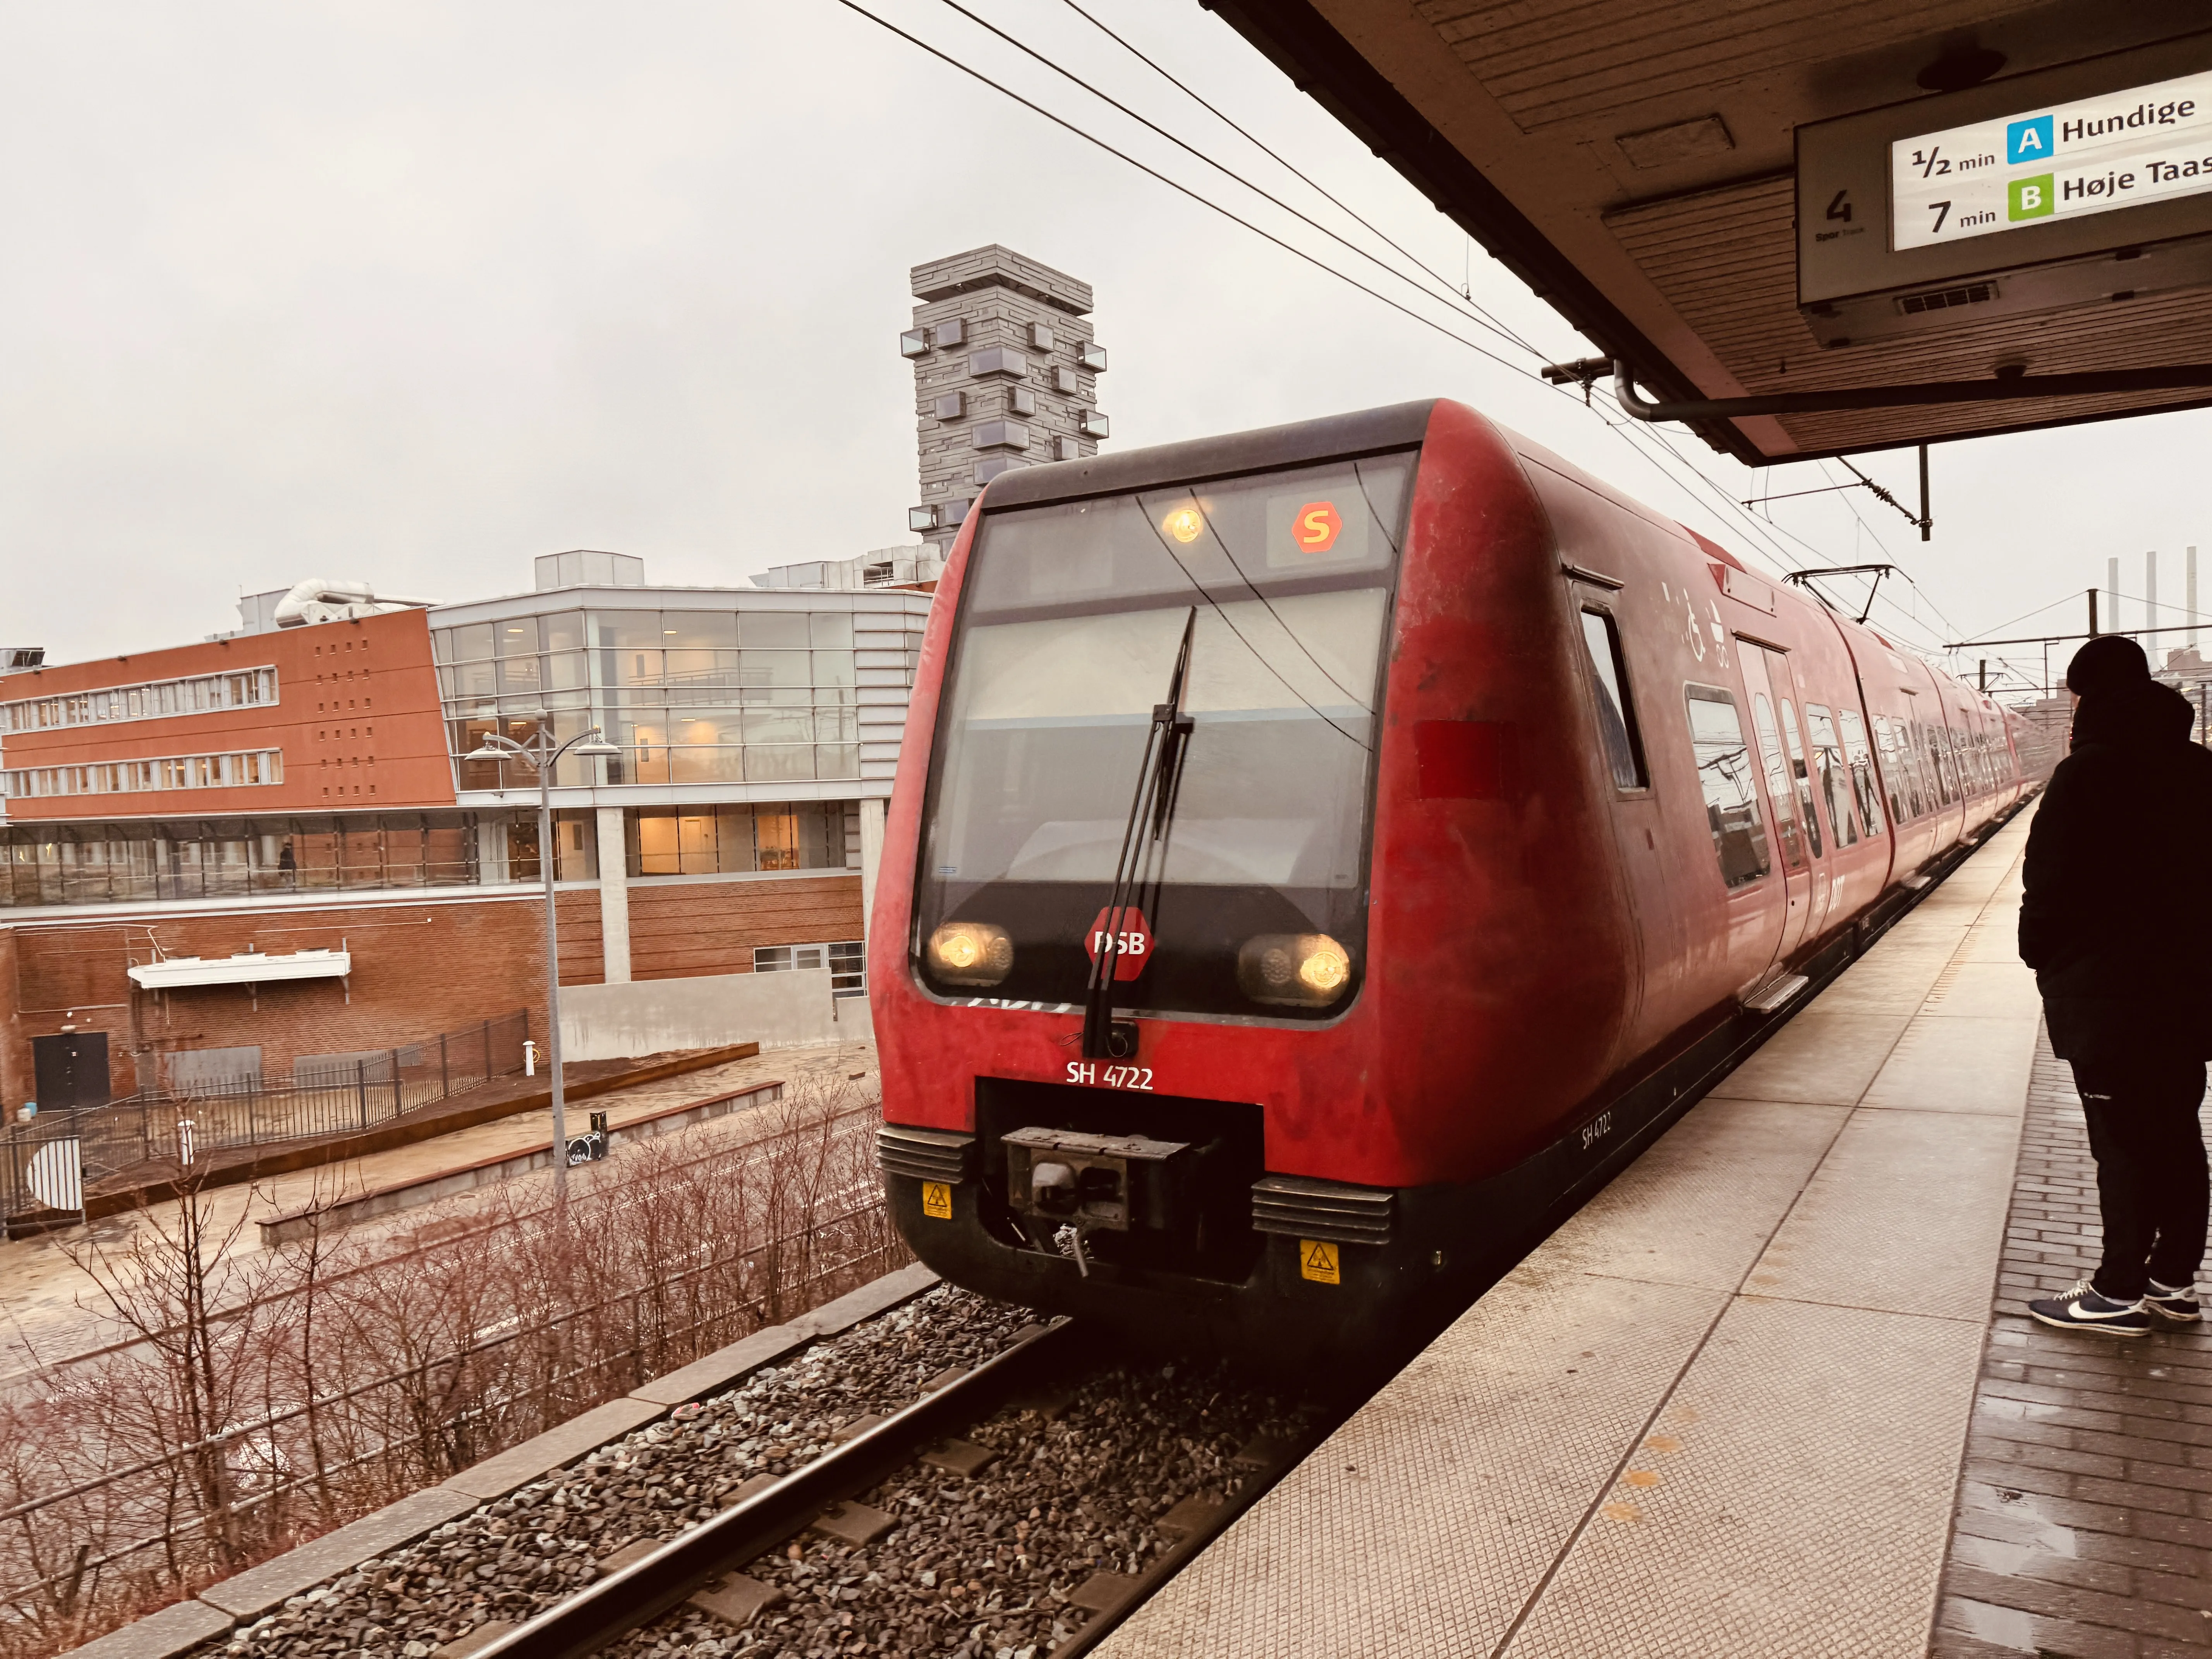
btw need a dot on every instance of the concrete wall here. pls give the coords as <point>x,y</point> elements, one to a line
<point>646,1016</point>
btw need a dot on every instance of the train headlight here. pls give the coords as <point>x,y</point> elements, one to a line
<point>1297,970</point>
<point>971,953</point>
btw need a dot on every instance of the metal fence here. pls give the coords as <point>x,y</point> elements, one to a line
<point>46,1162</point>
<point>131,1474</point>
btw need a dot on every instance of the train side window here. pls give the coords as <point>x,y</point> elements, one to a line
<point>1724,775</point>
<point>1834,786</point>
<point>1780,799</point>
<point>1939,762</point>
<point>1899,757</point>
<point>1908,765</point>
<point>1864,789</point>
<point>1804,780</point>
<point>1616,715</point>
<point>1885,743</point>
<point>1778,778</point>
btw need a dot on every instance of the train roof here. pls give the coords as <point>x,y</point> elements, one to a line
<point>1367,431</point>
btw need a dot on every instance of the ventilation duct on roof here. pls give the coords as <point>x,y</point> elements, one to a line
<point>327,599</point>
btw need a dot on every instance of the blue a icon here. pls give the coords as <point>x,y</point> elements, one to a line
<point>2027,141</point>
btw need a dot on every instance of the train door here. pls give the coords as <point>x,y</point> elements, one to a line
<point>1781,794</point>
<point>1635,813</point>
<point>1801,774</point>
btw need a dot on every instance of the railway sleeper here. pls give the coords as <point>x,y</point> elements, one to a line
<point>703,1571</point>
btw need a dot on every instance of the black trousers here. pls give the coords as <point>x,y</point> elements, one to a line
<point>2151,1171</point>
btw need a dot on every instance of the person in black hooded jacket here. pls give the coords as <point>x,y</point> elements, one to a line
<point>2118,896</point>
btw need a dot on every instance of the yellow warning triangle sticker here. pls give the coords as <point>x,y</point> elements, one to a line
<point>1317,1261</point>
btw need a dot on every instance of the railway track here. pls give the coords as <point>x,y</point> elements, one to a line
<point>814,1534</point>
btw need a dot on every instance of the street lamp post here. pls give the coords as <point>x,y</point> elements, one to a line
<point>540,753</point>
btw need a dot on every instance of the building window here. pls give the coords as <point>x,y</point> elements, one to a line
<point>133,863</point>
<point>1000,435</point>
<point>740,838</point>
<point>248,688</point>
<point>999,360</point>
<point>233,771</point>
<point>847,963</point>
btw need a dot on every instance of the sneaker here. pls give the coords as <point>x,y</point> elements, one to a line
<point>2175,1302</point>
<point>2082,1310</point>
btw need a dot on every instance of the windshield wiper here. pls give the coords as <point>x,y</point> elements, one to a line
<point>1144,845</point>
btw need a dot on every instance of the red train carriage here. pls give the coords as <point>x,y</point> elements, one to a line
<point>1318,852</point>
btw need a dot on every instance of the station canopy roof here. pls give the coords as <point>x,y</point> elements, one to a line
<point>1638,164</point>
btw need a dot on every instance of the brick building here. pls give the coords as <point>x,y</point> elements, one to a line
<point>304,788</point>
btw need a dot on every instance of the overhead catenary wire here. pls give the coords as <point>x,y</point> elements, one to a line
<point>1728,505</point>
<point>1465,287</point>
<point>1451,299</point>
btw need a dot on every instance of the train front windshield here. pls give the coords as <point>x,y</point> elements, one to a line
<point>1072,616</point>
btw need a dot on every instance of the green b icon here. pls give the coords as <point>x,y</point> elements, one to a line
<point>2030,198</point>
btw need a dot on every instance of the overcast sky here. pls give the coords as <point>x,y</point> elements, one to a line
<point>414,292</point>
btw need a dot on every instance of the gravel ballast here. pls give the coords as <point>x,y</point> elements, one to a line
<point>512,1558</point>
<point>980,1567</point>
<point>983,1568</point>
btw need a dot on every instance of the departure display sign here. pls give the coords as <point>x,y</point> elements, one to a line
<point>2147,143</point>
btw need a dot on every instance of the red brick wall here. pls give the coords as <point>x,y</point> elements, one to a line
<point>356,716</point>
<point>417,971</point>
<point>682,928</point>
<point>583,956</point>
<point>11,1088</point>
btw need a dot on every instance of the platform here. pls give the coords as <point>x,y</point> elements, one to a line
<point>1725,1408</point>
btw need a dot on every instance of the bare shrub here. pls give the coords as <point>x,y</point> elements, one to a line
<point>267,1396</point>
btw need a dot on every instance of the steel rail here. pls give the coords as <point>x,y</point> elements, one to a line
<point>660,1581</point>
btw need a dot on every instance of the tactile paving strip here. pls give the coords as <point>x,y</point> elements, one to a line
<point>1783,1505</point>
<point>1521,1409</point>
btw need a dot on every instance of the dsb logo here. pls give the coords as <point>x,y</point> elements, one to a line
<point>1132,945</point>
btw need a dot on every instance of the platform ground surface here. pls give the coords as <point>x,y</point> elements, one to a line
<point>1724,1409</point>
<point>2085,1517</point>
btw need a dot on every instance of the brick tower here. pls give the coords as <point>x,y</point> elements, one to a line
<point>1005,374</point>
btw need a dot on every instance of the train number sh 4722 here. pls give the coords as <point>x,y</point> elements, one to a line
<point>1092,1075</point>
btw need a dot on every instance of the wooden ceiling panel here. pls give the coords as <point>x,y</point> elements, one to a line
<point>1548,62</point>
<point>1676,250</point>
<point>1725,260</point>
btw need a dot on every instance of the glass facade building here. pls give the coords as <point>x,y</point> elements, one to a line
<point>753,727</point>
<point>689,696</point>
<point>216,858</point>
<point>130,862</point>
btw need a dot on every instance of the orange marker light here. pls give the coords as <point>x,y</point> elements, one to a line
<point>1315,527</point>
<point>1183,524</point>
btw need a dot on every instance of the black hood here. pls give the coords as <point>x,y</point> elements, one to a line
<point>2144,714</point>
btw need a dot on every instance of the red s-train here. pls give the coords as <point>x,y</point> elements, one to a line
<point>1319,852</point>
